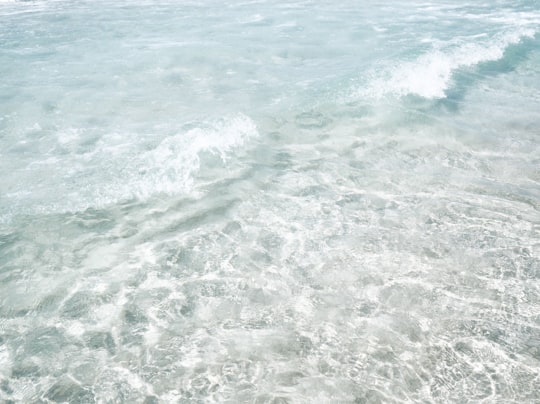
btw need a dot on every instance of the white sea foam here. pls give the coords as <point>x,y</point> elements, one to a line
<point>172,165</point>
<point>430,75</point>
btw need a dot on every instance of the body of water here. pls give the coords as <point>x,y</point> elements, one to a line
<point>261,201</point>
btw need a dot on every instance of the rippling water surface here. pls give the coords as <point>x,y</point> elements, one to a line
<point>270,201</point>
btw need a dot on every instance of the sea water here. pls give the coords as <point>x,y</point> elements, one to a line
<point>300,201</point>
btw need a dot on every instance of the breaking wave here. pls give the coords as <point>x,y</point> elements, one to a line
<point>121,167</point>
<point>430,75</point>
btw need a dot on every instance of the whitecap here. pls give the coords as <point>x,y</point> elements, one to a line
<point>430,75</point>
<point>123,166</point>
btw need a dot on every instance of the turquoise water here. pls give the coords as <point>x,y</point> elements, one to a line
<point>268,201</point>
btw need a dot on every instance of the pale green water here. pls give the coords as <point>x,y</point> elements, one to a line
<point>269,201</point>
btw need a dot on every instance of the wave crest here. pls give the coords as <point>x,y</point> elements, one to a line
<point>121,167</point>
<point>430,75</point>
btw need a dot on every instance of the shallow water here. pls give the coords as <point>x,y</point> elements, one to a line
<point>258,201</point>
